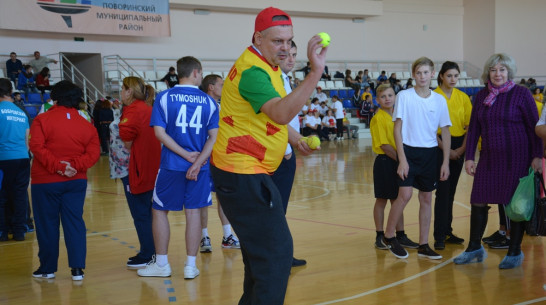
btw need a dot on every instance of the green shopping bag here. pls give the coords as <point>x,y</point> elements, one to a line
<point>522,204</point>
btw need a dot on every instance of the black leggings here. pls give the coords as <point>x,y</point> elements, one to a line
<point>104,136</point>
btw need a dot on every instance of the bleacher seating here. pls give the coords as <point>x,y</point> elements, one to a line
<point>45,97</point>
<point>299,75</point>
<point>32,111</point>
<point>347,104</point>
<point>330,84</point>
<point>34,98</point>
<point>321,84</point>
<point>160,86</point>
<point>339,84</point>
<point>150,76</point>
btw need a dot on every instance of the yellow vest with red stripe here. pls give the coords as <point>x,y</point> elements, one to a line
<point>248,143</point>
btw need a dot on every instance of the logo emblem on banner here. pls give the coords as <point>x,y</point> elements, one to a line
<point>65,8</point>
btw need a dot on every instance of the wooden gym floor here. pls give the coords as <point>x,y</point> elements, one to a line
<point>330,216</point>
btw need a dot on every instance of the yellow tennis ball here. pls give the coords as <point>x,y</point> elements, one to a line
<point>325,39</point>
<point>313,142</point>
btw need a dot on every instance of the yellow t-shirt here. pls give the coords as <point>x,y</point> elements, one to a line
<point>460,108</point>
<point>538,97</point>
<point>248,141</point>
<point>539,107</point>
<point>382,129</point>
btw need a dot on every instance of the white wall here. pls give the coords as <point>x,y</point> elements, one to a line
<point>479,31</point>
<point>519,31</point>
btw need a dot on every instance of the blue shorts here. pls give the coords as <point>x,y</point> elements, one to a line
<point>173,192</point>
<point>212,188</point>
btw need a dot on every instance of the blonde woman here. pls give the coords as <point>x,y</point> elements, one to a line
<point>145,152</point>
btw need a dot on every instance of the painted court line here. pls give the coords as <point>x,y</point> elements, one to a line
<point>532,301</point>
<point>403,281</point>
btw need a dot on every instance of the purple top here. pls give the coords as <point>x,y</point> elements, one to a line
<point>509,143</point>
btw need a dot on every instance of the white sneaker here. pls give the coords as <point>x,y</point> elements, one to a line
<point>190,272</point>
<point>153,269</point>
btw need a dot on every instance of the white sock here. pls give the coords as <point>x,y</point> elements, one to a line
<point>190,261</point>
<point>227,230</point>
<point>205,232</point>
<point>161,260</point>
<point>503,233</point>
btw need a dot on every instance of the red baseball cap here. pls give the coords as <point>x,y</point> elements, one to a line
<point>264,20</point>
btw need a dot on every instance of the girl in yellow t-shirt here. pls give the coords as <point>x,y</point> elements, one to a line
<point>459,106</point>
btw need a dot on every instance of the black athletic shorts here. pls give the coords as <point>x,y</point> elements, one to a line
<point>385,178</point>
<point>423,168</point>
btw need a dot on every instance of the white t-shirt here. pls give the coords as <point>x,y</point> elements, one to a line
<point>321,97</point>
<point>323,110</point>
<point>295,122</point>
<point>311,120</point>
<point>421,117</point>
<point>329,121</point>
<point>338,113</point>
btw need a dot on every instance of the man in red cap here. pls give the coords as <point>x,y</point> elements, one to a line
<point>251,143</point>
<point>321,95</point>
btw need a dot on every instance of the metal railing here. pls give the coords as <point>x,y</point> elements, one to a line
<point>69,72</point>
<point>115,69</point>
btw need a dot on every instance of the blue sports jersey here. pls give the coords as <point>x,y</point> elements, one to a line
<point>187,114</point>
<point>13,131</point>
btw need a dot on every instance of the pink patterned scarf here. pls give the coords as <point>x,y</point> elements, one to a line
<point>494,91</point>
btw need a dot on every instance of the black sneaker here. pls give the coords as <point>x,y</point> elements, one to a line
<point>439,245</point>
<point>406,242</point>
<point>394,246</point>
<point>4,237</point>
<point>137,262</point>
<point>19,236</point>
<point>39,274</point>
<point>452,239</point>
<point>77,274</point>
<point>427,252</point>
<point>298,262</point>
<point>379,243</point>
<point>500,244</point>
<point>493,238</point>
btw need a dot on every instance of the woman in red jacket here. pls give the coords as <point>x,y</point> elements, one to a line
<point>64,145</point>
<point>42,80</point>
<point>139,137</point>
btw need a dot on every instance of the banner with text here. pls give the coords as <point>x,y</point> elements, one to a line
<point>107,17</point>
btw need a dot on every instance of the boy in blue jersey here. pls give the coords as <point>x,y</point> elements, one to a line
<point>185,121</point>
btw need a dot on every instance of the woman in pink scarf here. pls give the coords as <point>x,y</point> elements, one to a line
<point>504,116</point>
